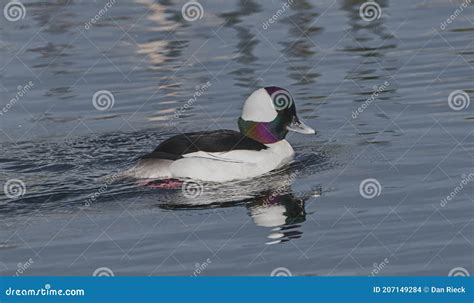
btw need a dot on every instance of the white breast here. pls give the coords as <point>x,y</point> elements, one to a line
<point>232,165</point>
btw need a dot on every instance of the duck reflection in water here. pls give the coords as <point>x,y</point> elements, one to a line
<point>284,213</point>
<point>276,206</point>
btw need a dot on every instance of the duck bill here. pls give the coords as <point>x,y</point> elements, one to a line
<point>299,127</point>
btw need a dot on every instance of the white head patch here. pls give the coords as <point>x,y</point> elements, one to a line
<point>259,107</point>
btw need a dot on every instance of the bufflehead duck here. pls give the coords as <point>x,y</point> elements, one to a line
<point>226,155</point>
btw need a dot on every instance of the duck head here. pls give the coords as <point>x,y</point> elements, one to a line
<point>268,114</point>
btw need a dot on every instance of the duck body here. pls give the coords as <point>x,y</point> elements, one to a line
<point>227,155</point>
<point>215,156</point>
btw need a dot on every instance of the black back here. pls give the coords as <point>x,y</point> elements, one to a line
<point>208,141</point>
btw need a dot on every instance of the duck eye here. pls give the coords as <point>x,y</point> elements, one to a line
<point>282,100</point>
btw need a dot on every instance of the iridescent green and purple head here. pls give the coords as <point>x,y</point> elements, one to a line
<point>268,114</point>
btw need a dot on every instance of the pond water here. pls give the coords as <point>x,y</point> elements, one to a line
<point>377,91</point>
